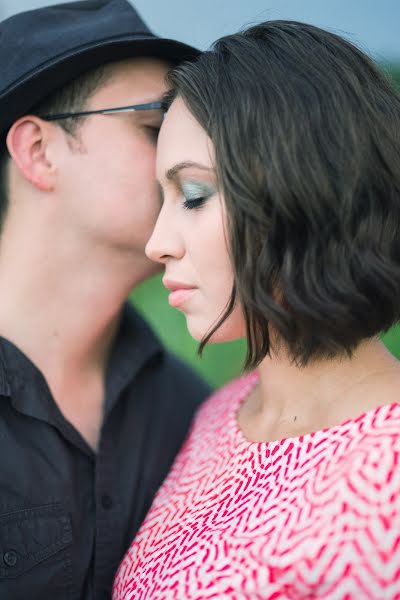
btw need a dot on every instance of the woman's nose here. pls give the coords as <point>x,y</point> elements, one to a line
<point>166,241</point>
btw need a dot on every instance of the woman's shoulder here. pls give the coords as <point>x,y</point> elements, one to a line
<point>215,419</point>
<point>372,459</point>
<point>226,399</point>
<point>378,427</point>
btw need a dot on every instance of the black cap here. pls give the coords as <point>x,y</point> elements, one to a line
<point>43,49</point>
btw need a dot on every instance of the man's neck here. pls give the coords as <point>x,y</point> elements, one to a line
<point>64,318</point>
<point>62,310</point>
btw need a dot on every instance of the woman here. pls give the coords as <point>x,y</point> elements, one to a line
<point>279,164</point>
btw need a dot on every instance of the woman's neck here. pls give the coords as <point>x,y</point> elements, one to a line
<point>290,401</point>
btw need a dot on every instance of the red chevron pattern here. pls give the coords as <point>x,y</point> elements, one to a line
<point>311,517</point>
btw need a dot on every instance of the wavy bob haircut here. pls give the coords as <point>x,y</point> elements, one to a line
<point>306,132</point>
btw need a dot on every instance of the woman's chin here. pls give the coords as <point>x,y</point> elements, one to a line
<point>225,333</point>
<point>196,332</point>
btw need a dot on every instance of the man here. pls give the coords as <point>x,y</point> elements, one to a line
<point>92,409</point>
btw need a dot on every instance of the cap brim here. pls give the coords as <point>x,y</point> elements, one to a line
<point>48,77</point>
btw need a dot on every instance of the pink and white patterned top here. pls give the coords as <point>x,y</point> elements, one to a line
<point>316,516</point>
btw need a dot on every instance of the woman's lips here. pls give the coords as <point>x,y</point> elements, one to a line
<point>178,297</point>
<point>179,292</point>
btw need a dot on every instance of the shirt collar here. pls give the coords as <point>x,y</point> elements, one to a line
<point>134,346</point>
<point>20,380</point>
<point>5,389</point>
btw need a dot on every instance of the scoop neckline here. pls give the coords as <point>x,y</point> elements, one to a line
<point>251,380</point>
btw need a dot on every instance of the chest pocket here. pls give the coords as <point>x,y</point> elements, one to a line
<point>34,557</point>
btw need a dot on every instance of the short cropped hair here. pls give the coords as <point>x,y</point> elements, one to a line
<point>73,97</point>
<point>306,132</point>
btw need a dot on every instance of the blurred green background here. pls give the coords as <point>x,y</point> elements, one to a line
<point>220,362</point>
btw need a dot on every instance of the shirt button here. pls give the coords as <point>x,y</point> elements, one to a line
<point>106,501</point>
<point>10,558</point>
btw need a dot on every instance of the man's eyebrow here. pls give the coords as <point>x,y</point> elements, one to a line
<point>173,171</point>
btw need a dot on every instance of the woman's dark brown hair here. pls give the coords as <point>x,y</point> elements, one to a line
<point>306,133</point>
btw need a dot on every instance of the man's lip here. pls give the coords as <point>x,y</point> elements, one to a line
<point>173,286</point>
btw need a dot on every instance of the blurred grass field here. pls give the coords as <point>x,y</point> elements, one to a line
<point>220,362</point>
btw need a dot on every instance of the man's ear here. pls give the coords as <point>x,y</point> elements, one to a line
<point>28,144</point>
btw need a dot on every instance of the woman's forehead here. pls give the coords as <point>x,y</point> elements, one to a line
<point>182,139</point>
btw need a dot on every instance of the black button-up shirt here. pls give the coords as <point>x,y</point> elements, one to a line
<point>67,515</point>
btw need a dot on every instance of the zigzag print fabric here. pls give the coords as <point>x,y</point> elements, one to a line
<point>316,516</point>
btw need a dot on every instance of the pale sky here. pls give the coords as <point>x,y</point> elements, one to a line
<point>373,25</point>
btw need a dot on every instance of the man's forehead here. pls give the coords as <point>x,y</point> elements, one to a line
<point>136,79</point>
<point>143,66</point>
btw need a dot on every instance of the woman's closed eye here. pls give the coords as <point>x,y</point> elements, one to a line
<point>196,194</point>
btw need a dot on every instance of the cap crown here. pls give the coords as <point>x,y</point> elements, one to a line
<point>43,49</point>
<point>31,39</point>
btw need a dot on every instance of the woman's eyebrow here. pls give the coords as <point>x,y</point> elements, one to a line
<point>173,171</point>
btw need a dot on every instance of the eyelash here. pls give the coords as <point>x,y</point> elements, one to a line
<point>194,203</point>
